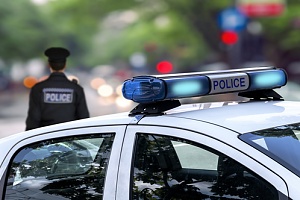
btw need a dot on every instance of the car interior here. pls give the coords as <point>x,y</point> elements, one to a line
<point>64,169</point>
<point>158,174</point>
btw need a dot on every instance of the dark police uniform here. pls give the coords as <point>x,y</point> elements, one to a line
<point>55,100</point>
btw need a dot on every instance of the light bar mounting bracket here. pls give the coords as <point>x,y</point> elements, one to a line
<point>261,95</point>
<point>155,108</point>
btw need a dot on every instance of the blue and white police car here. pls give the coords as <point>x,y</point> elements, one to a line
<point>164,149</point>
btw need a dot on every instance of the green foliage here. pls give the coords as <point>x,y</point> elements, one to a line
<point>161,36</point>
<point>105,31</point>
<point>282,35</point>
<point>157,25</point>
<point>20,30</point>
<point>282,27</point>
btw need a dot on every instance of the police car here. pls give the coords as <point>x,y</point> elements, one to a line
<point>164,149</point>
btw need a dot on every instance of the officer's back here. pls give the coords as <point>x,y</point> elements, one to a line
<point>56,99</point>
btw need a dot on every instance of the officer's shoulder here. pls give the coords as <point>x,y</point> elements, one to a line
<point>39,84</point>
<point>74,81</point>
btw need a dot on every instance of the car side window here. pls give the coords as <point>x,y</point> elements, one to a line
<point>65,168</point>
<point>173,168</point>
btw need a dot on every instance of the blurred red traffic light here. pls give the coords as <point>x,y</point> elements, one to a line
<point>229,37</point>
<point>164,67</point>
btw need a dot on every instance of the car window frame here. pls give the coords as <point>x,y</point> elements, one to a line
<point>133,130</point>
<point>111,176</point>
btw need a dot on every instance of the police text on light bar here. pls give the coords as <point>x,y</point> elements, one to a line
<point>148,89</point>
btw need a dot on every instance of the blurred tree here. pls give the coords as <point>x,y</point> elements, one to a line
<point>151,29</point>
<point>22,30</point>
<point>282,35</point>
<point>184,31</point>
<point>77,23</point>
<point>201,15</point>
<point>101,32</point>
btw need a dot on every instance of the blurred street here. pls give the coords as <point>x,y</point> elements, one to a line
<point>14,105</point>
<point>12,112</point>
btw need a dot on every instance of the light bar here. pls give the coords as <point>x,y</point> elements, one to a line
<point>147,89</point>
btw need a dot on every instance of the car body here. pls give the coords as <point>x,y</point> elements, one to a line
<point>223,150</point>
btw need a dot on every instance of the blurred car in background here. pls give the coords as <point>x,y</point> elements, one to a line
<point>4,81</point>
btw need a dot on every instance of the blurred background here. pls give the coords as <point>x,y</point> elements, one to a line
<point>111,41</point>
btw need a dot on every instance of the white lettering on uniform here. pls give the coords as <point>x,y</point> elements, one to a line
<point>58,95</point>
<point>228,82</point>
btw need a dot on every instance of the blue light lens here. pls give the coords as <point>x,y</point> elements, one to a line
<point>144,89</point>
<point>267,79</point>
<point>187,87</point>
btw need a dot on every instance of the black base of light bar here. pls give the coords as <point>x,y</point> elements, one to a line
<point>155,108</point>
<point>261,95</point>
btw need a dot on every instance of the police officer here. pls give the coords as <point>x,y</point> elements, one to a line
<point>56,99</point>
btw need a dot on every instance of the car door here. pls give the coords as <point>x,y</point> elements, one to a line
<point>173,163</point>
<point>77,163</point>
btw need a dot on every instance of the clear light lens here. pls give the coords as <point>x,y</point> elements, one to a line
<point>267,79</point>
<point>187,87</point>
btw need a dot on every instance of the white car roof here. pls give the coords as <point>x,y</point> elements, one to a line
<point>241,117</point>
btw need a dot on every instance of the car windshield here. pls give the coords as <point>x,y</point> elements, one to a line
<point>280,143</point>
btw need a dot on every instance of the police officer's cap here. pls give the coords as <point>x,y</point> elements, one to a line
<point>57,54</point>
